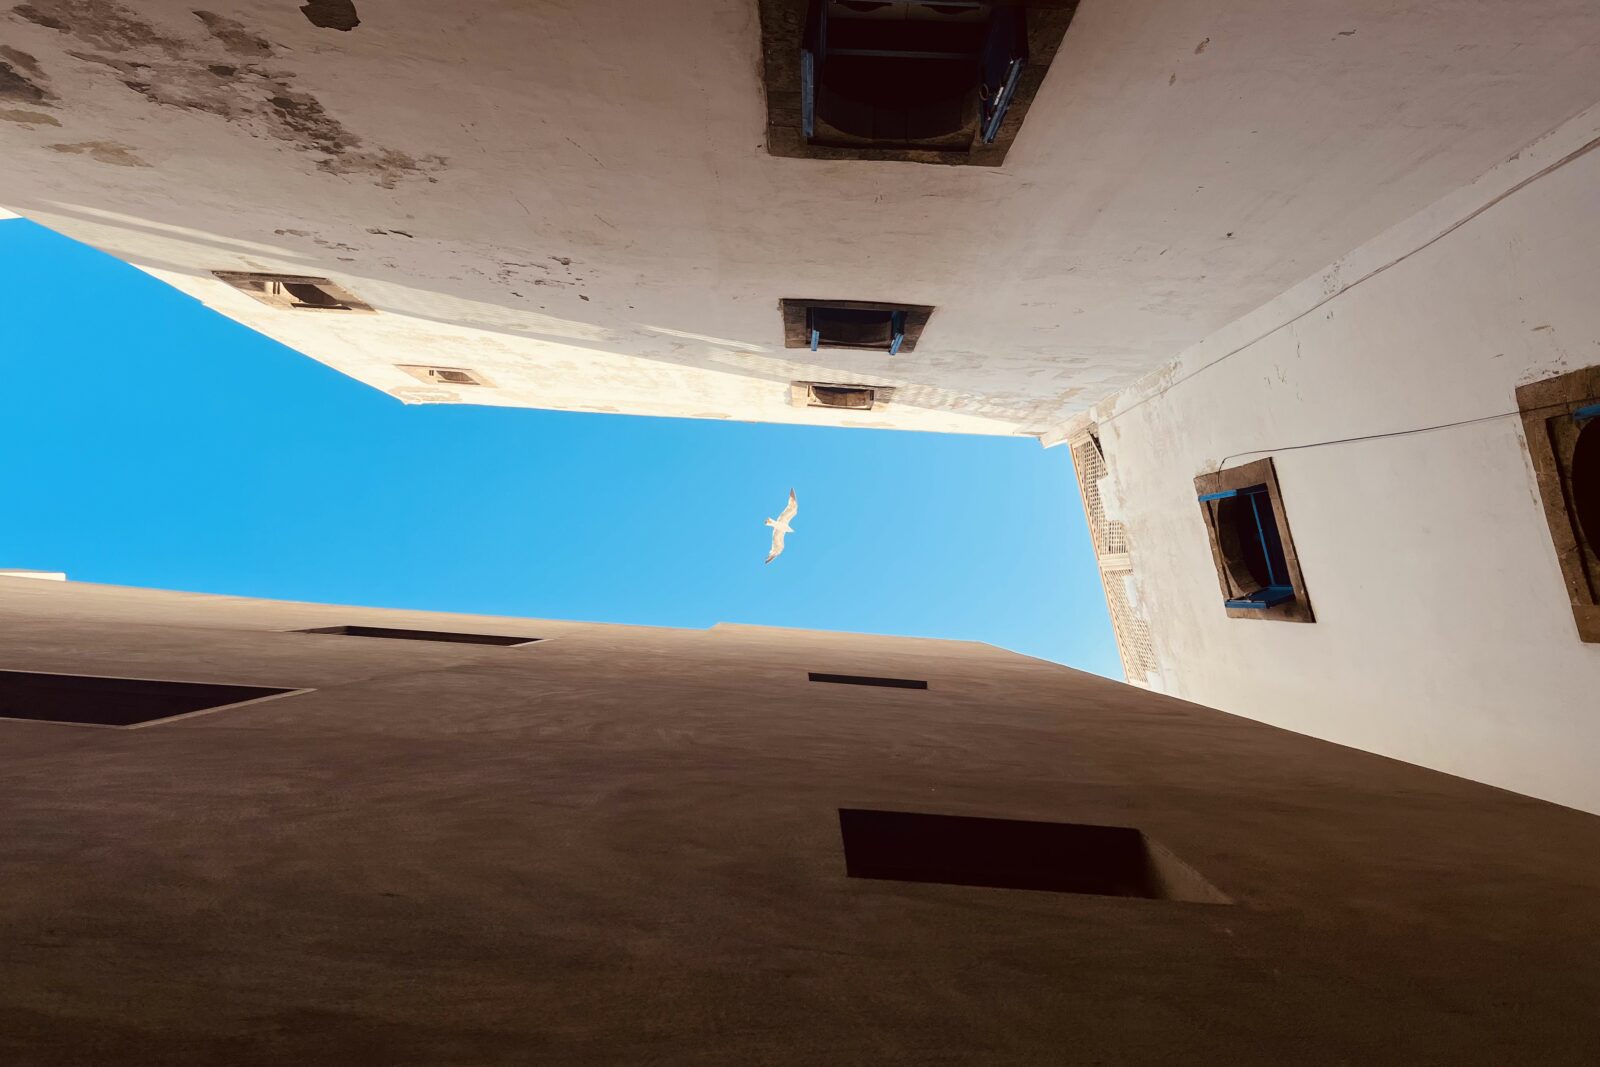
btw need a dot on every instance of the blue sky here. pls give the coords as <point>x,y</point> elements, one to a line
<point>151,442</point>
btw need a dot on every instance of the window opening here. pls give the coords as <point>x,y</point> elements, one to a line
<point>1059,857</point>
<point>92,700</point>
<point>863,679</point>
<point>897,73</point>
<point>1561,426</point>
<point>871,325</point>
<point>293,291</point>
<point>421,635</point>
<point>1252,545</point>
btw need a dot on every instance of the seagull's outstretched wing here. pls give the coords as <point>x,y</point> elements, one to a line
<point>777,543</point>
<point>789,509</point>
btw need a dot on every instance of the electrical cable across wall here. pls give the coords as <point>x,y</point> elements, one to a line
<point>1391,433</point>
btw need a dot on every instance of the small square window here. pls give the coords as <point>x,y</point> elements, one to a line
<point>839,397</point>
<point>862,324</point>
<point>927,81</point>
<point>1561,420</point>
<point>1250,543</point>
<point>295,292</point>
<point>445,375</point>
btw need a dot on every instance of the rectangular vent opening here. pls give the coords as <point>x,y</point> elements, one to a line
<point>1115,861</point>
<point>296,292</point>
<point>445,375</point>
<point>421,635</point>
<point>928,81</point>
<point>861,679</point>
<point>860,324</point>
<point>855,398</point>
<point>853,327</point>
<point>96,701</point>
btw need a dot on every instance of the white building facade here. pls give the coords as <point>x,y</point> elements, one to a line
<point>1202,237</point>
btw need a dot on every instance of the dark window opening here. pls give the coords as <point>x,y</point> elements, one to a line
<point>311,296</point>
<point>444,375</point>
<point>1115,861</point>
<point>857,328</point>
<point>1251,545</point>
<point>1561,426</point>
<point>331,14</point>
<point>421,635</point>
<point>861,324</point>
<point>1586,474</point>
<point>919,81</point>
<point>902,73</point>
<point>841,396</point>
<point>95,701</point>
<point>859,679</point>
<point>1247,531</point>
<point>293,291</point>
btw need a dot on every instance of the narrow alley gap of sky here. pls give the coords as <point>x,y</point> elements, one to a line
<point>152,442</point>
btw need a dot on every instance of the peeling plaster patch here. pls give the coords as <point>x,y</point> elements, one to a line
<point>168,84</point>
<point>118,155</point>
<point>28,118</point>
<point>331,14</point>
<point>18,89</point>
<point>22,80</point>
<point>304,118</point>
<point>264,102</point>
<point>300,118</point>
<point>23,60</point>
<point>107,26</point>
<point>39,18</point>
<point>424,395</point>
<point>234,37</point>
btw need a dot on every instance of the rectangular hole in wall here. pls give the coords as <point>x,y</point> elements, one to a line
<point>1115,861</point>
<point>422,635</point>
<point>869,325</point>
<point>842,396</point>
<point>913,80</point>
<point>98,701</point>
<point>444,375</point>
<point>860,679</point>
<point>296,292</point>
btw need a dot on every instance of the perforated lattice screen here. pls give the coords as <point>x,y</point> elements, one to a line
<point>1133,635</point>
<point>1110,538</point>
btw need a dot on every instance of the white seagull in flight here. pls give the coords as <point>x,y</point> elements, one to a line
<point>780,526</point>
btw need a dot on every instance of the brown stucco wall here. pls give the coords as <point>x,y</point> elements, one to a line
<point>621,846</point>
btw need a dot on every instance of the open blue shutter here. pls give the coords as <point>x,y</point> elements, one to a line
<point>1005,53</point>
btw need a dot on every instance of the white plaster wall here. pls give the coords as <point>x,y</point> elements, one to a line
<point>574,197</point>
<point>1444,635</point>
